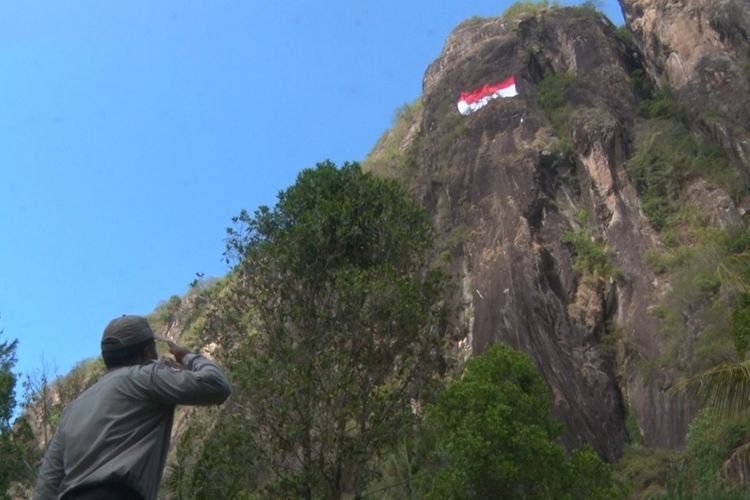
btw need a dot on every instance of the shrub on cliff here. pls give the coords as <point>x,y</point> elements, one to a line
<point>491,435</point>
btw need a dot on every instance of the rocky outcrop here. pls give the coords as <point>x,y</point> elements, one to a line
<point>505,178</point>
<point>701,49</point>
<point>508,185</point>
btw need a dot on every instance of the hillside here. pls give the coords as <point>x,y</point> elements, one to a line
<point>604,154</point>
<point>596,221</point>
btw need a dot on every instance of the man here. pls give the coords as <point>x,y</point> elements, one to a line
<point>111,442</point>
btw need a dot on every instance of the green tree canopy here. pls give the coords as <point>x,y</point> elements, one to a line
<point>7,382</point>
<point>340,326</point>
<point>490,435</point>
<point>9,463</point>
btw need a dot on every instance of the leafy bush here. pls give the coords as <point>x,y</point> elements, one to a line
<point>644,472</point>
<point>453,127</point>
<point>667,155</point>
<point>697,472</point>
<point>586,8</point>
<point>553,95</point>
<point>222,466</point>
<point>591,253</point>
<point>639,78</point>
<point>490,434</point>
<point>663,105</point>
<point>553,91</point>
<point>693,472</point>
<point>740,328</point>
<point>391,157</point>
<point>706,314</point>
<point>738,242</point>
<point>165,313</point>
<point>624,34</point>
<point>528,7</point>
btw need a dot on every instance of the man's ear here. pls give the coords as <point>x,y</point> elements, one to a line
<point>149,352</point>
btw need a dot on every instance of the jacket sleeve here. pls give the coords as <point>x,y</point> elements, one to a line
<point>200,382</point>
<point>52,471</point>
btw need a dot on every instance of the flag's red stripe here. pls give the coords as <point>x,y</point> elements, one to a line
<point>485,90</point>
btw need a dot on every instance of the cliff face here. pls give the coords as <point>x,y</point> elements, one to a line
<point>702,48</point>
<point>507,181</point>
<point>509,184</point>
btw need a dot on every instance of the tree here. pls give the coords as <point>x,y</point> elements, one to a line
<point>491,435</point>
<point>9,463</point>
<point>42,404</point>
<point>7,382</point>
<point>342,328</point>
<point>724,389</point>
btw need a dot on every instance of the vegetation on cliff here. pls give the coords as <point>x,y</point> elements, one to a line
<point>490,434</point>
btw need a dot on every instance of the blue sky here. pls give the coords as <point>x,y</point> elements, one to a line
<point>131,132</point>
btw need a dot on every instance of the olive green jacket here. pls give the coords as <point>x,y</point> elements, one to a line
<point>119,428</point>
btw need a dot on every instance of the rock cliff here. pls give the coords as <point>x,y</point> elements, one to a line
<point>511,185</point>
<point>702,49</point>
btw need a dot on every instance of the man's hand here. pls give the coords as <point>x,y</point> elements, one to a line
<point>177,351</point>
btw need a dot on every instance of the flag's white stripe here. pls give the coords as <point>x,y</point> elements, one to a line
<point>509,91</point>
<point>465,108</point>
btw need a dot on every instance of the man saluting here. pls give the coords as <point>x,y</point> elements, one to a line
<point>112,441</point>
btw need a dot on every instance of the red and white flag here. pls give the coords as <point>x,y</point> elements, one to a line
<point>478,98</point>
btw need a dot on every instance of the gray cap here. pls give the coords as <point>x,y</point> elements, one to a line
<point>126,331</point>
